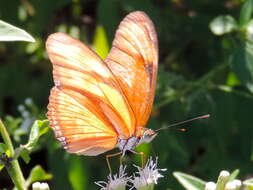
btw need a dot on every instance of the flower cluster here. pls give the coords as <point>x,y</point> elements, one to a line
<point>145,178</point>
<point>224,182</point>
<point>116,181</point>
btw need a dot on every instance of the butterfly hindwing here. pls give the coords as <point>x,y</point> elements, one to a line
<point>76,127</point>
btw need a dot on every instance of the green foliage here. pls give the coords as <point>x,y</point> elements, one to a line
<point>226,181</point>
<point>37,174</point>
<point>245,13</point>
<point>100,42</point>
<point>39,128</point>
<point>233,175</point>
<point>190,182</point>
<point>206,66</point>
<point>12,33</point>
<point>4,150</point>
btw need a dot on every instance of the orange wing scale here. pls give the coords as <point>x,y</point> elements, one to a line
<point>133,60</point>
<point>77,128</point>
<point>96,102</point>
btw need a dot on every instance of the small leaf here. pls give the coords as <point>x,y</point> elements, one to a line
<point>245,13</point>
<point>39,128</point>
<point>190,182</point>
<point>25,156</point>
<point>242,64</point>
<point>100,42</point>
<point>12,122</point>
<point>1,166</point>
<point>233,175</point>
<point>11,33</point>
<point>38,174</point>
<point>4,149</point>
<point>232,80</point>
<point>223,24</point>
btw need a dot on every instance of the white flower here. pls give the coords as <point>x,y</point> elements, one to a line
<point>115,182</point>
<point>210,186</point>
<point>21,108</point>
<point>40,186</point>
<point>148,175</point>
<point>224,174</point>
<point>233,185</point>
<point>28,101</point>
<point>237,182</point>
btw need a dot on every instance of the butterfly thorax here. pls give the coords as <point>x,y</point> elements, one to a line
<point>130,143</point>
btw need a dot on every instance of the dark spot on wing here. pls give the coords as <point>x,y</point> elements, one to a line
<point>149,71</point>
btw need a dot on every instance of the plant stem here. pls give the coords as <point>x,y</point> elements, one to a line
<point>13,168</point>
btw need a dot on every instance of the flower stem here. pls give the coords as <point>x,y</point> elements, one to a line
<point>13,168</point>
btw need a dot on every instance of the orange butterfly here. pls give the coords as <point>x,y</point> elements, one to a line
<point>98,105</point>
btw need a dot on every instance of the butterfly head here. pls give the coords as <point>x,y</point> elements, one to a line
<point>130,143</point>
<point>148,136</point>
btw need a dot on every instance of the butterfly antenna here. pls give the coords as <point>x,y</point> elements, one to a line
<point>186,121</point>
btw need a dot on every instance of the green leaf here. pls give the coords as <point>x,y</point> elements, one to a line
<point>11,33</point>
<point>25,156</point>
<point>245,13</point>
<point>242,64</point>
<point>39,128</point>
<point>100,42</point>
<point>232,79</point>
<point>76,173</point>
<point>233,175</point>
<point>37,174</point>
<point>223,24</point>
<point>1,166</point>
<point>12,122</point>
<point>4,150</point>
<point>189,182</point>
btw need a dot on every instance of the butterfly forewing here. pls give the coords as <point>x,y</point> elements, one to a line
<point>133,60</point>
<point>84,80</point>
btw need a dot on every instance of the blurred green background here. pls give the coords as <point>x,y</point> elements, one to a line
<point>200,71</point>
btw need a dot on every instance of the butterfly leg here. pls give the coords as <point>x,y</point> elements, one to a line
<point>143,157</point>
<point>110,156</point>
